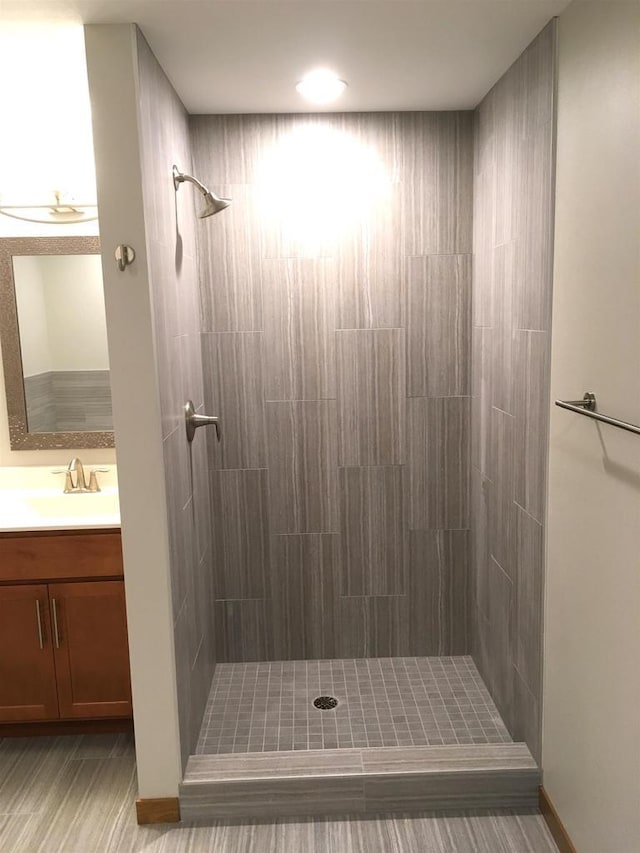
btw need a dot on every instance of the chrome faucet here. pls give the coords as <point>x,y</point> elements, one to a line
<point>81,483</point>
<point>80,486</point>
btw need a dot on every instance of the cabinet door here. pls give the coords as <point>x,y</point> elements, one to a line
<point>27,674</point>
<point>90,649</point>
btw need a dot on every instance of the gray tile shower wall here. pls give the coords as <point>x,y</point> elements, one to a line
<point>60,400</point>
<point>336,306</point>
<point>170,225</point>
<point>512,282</point>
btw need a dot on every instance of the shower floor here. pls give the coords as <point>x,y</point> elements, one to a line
<point>425,701</point>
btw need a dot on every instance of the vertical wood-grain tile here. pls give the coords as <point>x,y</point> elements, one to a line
<point>227,148</point>
<point>503,298</point>
<point>304,580</point>
<point>538,79</point>
<point>229,266</point>
<point>483,246</point>
<point>535,264</point>
<point>388,626</point>
<point>482,349</point>
<point>372,626</point>
<point>502,524</point>
<point>371,267</point>
<point>531,372</point>
<point>438,325</point>
<point>501,603</point>
<point>373,531</point>
<point>438,462</point>
<point>299,340</point>
<point>513,222</point>
<point>438,591</point>
<point>529,602</point>
<point>301,456</point>
<point>240,506</point>
<point>480,553</point>
<point>351,626</point>
<point>380,137</point>
<point>437,182</point>
<point>371,394</point>
<point>243,632</point>
<point>234,391</point>
<point>527,721</point>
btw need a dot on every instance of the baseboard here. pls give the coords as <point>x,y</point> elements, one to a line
<point>159,810</point>
<point>111,725</point>
<point>556,827</point>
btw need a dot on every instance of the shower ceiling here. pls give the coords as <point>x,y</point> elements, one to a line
<point>244,57</point>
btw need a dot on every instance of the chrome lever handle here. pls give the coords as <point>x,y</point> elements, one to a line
<point>68,482</point>
<point>193,421</point>
<point>54,610</point>
<point>39,620</point>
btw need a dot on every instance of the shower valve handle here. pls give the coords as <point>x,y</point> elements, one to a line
<point>193,421</point>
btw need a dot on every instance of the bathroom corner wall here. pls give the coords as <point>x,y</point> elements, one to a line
<point>170,221</point>
<point>336,329</point>
<point>512,288</point>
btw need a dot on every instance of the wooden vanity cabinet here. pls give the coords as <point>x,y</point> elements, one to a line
<point>63,635</point>
<point>27,673</point>
<point>91,653</point>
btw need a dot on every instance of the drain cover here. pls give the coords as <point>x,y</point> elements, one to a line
<point>325,703</point>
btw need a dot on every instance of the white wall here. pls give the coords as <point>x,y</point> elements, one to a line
<point>61,313</point>
<point>591,720</point>
<point>50,126</point>
<point>46,142</point>
<point>113,80</point>
<point>32,315</point>
<point>74,297</point>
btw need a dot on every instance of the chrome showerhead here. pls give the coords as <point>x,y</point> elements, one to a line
<point>212,202</point>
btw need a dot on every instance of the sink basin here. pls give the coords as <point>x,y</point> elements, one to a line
<point>31,499</point>
<point>58,505</point>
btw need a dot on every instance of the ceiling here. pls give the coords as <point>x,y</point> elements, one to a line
<point>244,57</point>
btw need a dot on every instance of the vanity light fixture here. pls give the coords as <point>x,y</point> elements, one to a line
<point>321,86</point>
<point>61,210</point>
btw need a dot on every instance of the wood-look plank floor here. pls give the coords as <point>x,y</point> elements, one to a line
<point>76,795</point>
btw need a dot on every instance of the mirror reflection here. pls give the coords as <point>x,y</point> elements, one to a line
<point>63,342</point>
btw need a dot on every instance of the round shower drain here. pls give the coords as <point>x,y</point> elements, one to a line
<point>325,703</point>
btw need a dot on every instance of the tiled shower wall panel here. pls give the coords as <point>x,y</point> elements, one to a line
<point>170,225</point>
<point>513,226</point>
<point>336,301</point>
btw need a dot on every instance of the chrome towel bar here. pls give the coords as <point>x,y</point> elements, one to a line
<point>587,406</point>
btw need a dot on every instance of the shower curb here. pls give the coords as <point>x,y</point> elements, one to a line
<point>359,781</point>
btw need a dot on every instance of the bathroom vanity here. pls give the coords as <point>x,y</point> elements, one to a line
<point>64,658</point>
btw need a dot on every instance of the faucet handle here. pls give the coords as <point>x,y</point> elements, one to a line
<point>93,480</point>
<point>68,482</point>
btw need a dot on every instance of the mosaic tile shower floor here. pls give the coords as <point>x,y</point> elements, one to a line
<point>267,707</point>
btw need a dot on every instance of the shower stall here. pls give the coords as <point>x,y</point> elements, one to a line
<point>357,564</point>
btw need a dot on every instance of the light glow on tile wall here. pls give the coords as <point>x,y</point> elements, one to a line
<point>47,142</point>
<point>318,182</point>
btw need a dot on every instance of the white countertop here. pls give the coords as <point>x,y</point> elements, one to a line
<point>31,498</point>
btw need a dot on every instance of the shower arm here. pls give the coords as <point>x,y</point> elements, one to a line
<point>180,177</point>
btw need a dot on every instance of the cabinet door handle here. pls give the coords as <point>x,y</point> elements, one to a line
<point>54,611</point>
<point>40,638</point>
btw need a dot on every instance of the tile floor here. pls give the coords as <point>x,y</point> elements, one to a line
<point>76,795</point>
<point>264,707</point>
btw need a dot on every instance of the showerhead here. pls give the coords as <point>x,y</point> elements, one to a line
<point>212,202</point>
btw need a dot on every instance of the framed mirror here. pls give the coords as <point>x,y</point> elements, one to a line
<point>54,343</point>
